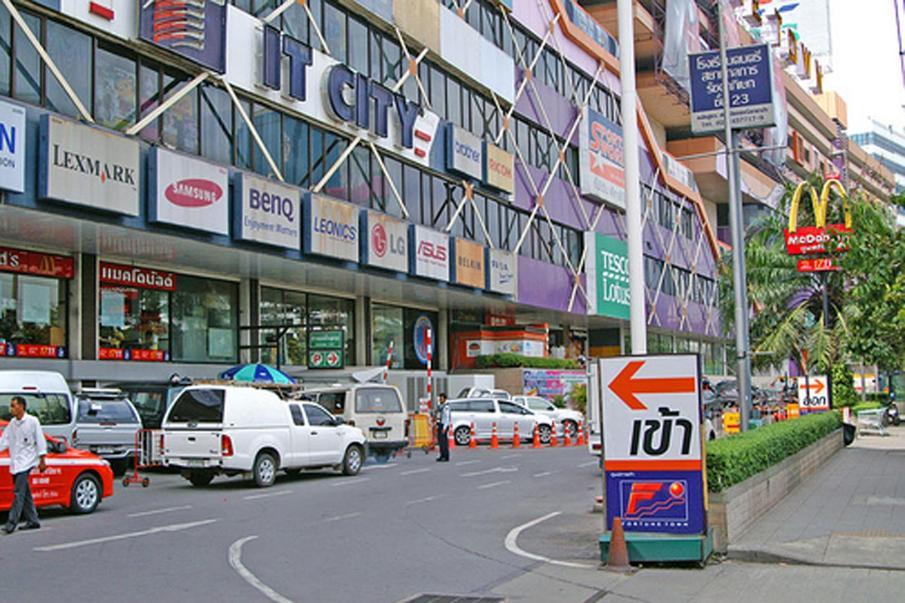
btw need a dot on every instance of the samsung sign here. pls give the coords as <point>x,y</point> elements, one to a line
<point>331,228</point>
<point>385,241</point>
<point>12,147</point>
<point>268,212</point>
<point>464,153</point>
<point>185,191</point>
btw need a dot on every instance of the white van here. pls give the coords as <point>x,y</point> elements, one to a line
<point>213,430</point>
<point>48,398</point>
<point>375,408</point>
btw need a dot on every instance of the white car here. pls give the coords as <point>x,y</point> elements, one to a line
<point>565,418</point>
<point>484,413</point>
<point>214,430</point>
<point>483,392</point>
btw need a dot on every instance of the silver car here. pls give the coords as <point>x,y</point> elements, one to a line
<point>485,412</point>
<point>106,424</point>
<point>566,418</point>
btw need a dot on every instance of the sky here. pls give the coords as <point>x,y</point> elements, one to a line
<point>866,67</point>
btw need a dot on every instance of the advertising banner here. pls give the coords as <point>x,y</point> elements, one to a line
<point>37,264</point>
<point>188,192</point>
<point>601,159</point>
<point>468,268</point>
<point>429,253</point>
<point>499,168</point>
<point>86,166</point>
<point>32,350</point>
<point>502,271</point>
<point>464,153</point>
<point>807,240</point>
<point>331,228</point>
<point>385,241</point>
<point>268,212</point>
<point>751,102</point>
<point>12,147</point>
<point>522,347</point>
<point>652,443</point>
<point>552,382</point>
<point>813,394</point>
<point>608,281</point>
<point>195,30</point>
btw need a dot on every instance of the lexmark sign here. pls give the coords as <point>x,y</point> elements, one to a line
<point>86,166</point>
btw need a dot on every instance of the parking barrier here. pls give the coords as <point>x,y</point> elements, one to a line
<point>535,442</point>
<point>494,439</point>
<point>566,435</point>
<point>580,441</point>
<point>553,442</point>
<point>516,441</point>
<point>451,436</point>
<point>473,442</point>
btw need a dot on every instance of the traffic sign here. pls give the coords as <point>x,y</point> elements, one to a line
<point>652,442</point>
<point>325,349</point>
<point>813,396</point>
<point>751,98</point>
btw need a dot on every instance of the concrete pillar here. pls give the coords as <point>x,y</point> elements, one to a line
<point>86,312</point>
<point>443,339</point>
<point>362,333</point>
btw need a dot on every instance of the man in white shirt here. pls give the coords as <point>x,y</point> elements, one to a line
<point>444,422</point>
<point>27,449</point>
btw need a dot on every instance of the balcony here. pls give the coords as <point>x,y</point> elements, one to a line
<point>648,36</point>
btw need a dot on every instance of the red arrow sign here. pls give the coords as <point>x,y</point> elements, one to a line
<point>625,387</point>
<point>817,385</point>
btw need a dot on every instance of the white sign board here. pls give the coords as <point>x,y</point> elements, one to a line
<point>331,228</point>
<point>502,273</point>
<point>12,147</point>
<point>268,212</point>
<point>429,253</point>
<point>387,241</point>
<point>464,152</point>
<point>188,192</point>
<point>815,395</point>
<point>651,410</point>
<point>86,166</point>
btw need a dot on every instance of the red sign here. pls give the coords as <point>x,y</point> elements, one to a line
<point>32,350</point>
<point>193,192</point>
<point>134,355</point>
<point>817,265</point>
<point>379,240</point>
<point>38,264</point>
<point>626,386</point>
<point>133,276</point>
<point>812,239</point>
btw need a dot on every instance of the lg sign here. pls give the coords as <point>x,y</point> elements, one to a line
<point>387,242</point>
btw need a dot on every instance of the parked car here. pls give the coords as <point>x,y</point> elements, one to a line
<point>231,430</point>
<point>374,408</point>
<point>48,398</point>
<point>106,424</point>
<point>75,479</point>
<point>566,418</point>
<point>152,400</point>
<point>483,392</point>
<point>485,412</point>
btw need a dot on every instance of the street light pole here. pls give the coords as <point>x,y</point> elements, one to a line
<point>638,314</point>
<point>737,225</point>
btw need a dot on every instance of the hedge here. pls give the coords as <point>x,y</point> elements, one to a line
<point>734,459</point>
<point>865,406</point>
<point>518,361</point>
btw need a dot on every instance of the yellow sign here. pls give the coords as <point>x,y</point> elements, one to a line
<point>819,204</point>
<point>469,266</point>
<point>793,411</point>
<point>732,422</point>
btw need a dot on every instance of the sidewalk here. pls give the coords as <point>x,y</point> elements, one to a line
<point>850,513</point>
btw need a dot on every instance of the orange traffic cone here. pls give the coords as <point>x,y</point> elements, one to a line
<point>580,440</point>
<point>494,439</point>
<point>473,442</point>
<point>553,442</point>
<point>617,557</point>
<point>535,442</point>
<point>516,440</point>
<point>566,435</point>
<point>451,436</point>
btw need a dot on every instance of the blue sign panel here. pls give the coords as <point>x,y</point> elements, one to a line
<point>751,98</point>
<point>657,501</point>
<point>195,30</point>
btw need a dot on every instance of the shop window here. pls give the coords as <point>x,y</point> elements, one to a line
<point>295,149</point>
<point>71,51</point>
<point>216,125</point>
<point>115,90</point>
<point>32,313</point>
<point>325,313</point>
<point>243,138</point>
<point>267,123</point>
<point>180,122</point>
<point>387,326</point>
<point>148,99</point>
<point>295,23</point>
<point>407,329</point>
<point>205,320</point>
<point>358,45</point>
<point>133,323</point>
<point>6,51</point>
<point>287,309</point>
<point>28,64</point>
<point>335,31</point>
<point>362,186</point>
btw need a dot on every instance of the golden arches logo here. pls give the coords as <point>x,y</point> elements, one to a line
<point>820,203</point>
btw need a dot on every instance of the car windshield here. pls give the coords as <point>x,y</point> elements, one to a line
<point>198,406</point>
<point>377,400</point>
<point>50,409</point>
<point>105,411</point>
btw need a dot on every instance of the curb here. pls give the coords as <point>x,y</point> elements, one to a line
<point>767,556</point>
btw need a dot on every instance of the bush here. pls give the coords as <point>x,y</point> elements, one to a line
<point>519,361</point>
<point>579,397</point>
<point>843,387</point>
<point>866,406</point>
<point>734,459</point>
<point>559,401</point>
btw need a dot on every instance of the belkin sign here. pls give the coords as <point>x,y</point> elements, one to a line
<point>268,212</point>
<point>331,228</point>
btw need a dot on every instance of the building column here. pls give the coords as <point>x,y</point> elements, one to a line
<point>443,339</point>
<point>84,337</point>
<point>362,332</point>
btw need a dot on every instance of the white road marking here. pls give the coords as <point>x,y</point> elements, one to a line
<point>512,546</point>
<point>267,495</point>
<point>589,463</point>
<point>494,484</point>
<point>414,471</point>
<point>471,462</point>
<point>171,528</point>
<point>488,471</point>
<point>235,561</point>
<point>350,481</point>
<point>421,500</point>
<point>158,511</point>
<point>386,466</point>
<point>341,517</point>
<point>542,474</point>
<point>511,456</point>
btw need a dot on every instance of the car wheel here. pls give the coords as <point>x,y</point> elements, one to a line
<point>201,478</point>
<point>353,460</point>
<point>86,494</point>
<point>570,427</point>
<point>462,436</point>
<point>543,432</point>
<point>265,470</point>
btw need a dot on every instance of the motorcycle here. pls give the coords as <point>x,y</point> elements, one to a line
<point>891,416</point>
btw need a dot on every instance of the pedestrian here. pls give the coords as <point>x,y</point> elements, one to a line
<point>27,448</point>
<point>444,422</point>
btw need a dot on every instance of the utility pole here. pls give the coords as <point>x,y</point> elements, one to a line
<point>638,314</point>
<point>737,225</point>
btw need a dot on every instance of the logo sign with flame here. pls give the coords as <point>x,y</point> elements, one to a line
<point>194,29</point>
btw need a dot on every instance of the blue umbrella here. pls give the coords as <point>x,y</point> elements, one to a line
<point>257,373</point>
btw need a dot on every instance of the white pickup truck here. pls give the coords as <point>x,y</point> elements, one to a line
<point>213,430</point>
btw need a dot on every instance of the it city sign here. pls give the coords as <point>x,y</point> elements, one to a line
<point>751,96</point>
<point>268,212</point>
<point>602,159</point>
<point>385,241</point>
<point>331,228</point>
<point>653,455</point>
<point>12,147</point>
<point>187,192</point>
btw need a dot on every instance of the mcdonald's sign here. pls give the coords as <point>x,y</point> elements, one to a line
<point>34,263</point>
<point>807,240</point>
